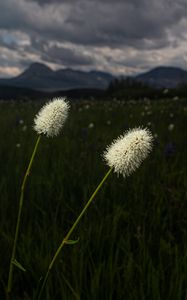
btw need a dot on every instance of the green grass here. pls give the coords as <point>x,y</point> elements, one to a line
<point>133,239</point>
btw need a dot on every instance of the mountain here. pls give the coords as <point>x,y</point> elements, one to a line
<point>168,77</point>
<point>40,77</point>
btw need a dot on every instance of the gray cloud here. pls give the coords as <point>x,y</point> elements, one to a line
<point>104,23</point>
<point>68,32</point>
<point>68,56</point>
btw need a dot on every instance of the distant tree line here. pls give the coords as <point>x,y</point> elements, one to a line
<point>120,88</point>
<point>130,88</point>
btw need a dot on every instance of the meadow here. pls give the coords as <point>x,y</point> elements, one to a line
<point>132,240</point>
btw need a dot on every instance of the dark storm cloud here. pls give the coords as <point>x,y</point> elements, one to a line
<point>93,22</point>
<point>66,56</point>
<point>59,54</point>
<point>68,32</point>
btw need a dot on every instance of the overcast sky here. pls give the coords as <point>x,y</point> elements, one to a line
<point>118,36</point>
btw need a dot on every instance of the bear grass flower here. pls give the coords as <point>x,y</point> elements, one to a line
<point>124,155</point>
<point>51,118</point>
<point>127,152</point>
<point>49,122</point>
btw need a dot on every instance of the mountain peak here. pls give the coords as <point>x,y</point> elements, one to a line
<point>164,71</point>
<point>38,76</point>
<point>164,76</point>
<point>39,67</point>
<point>36,69</point>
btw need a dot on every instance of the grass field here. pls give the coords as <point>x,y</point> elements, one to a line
<point>133,239</point>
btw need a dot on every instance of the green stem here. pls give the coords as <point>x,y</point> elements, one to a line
<point>70,232</point>
<point>11,267</point>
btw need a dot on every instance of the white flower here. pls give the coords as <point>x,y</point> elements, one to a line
<point>21,121</point>
<point>91,125</point>
<point>176,98</point>
<point>87,106</point>
<point>51,117</point>
<point>165,91</point>
<point>127,152</point>
<point>171,127</point>
<point>24,128</point>
<point>155,135</point>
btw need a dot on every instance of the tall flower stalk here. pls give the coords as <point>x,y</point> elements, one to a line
<point>49,122</point>
<point>66,238</point>
<point>123,156</point>
<point>13,260</point>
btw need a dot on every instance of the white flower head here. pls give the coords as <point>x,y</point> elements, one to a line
<point>51,117</point>
<point>171,127</point>
<point>91,125</point>
<point>127,152</point>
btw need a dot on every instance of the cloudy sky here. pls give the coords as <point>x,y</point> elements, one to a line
<point>118,36</point>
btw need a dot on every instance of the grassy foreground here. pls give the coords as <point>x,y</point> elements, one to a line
<point>133,239</point>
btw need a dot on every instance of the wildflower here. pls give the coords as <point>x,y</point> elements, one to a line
<point>127,152</point>
<point>87,106</point>
<point>171,127</point>
<point>165,91</point>
<point>24,128</point>
<point>91,125</point>
<point>21,121</point>
<point>169,149</point>
<point>51,117</point>
<point>149,112</point>
<point>176,98</point>
<point>155,135</point>
<point>84,133</point>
